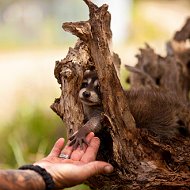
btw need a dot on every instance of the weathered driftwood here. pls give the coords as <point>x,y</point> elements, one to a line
<point>171,72</point>
<point>140,160</point>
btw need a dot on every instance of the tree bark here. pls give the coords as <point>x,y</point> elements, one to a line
<point>140,160</point>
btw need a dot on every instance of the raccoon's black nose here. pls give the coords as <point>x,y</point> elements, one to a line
<point>86,94</point>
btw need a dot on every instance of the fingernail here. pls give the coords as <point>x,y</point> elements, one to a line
<point>108,169</point>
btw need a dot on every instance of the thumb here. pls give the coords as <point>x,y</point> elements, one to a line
<point>97,167</point>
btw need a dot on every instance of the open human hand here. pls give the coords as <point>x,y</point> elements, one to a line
<point>79,165</point>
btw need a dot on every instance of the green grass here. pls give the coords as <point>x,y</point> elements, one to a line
<point>79,187</point>
<point>29,135</point>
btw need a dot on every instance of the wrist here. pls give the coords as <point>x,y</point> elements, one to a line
<point>38,180</point>
<point>47,178</point>
<point>59,180</point>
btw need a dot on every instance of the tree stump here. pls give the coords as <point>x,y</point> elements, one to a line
<point>141,161</point>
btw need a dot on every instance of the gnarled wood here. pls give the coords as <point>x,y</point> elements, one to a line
<point>141,161</point>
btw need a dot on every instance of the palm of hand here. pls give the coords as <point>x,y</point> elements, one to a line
<point>80,166</point>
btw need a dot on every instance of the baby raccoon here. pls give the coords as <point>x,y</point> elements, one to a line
<point>90,97</point>
<point>160,112</point>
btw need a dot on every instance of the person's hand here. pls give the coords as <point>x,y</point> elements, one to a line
<point>80,165</point>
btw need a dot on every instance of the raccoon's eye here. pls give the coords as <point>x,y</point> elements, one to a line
<point>84,85</point>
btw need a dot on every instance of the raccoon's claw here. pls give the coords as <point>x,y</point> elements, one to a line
<point>77,140</point>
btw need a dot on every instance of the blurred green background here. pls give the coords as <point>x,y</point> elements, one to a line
<point>32,39</point>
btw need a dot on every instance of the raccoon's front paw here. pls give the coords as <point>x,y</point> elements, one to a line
<point>77,139</point>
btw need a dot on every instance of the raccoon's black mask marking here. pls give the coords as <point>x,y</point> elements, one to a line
<point>90,92</point>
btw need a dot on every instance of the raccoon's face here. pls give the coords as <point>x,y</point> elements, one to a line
<point>90,91</point>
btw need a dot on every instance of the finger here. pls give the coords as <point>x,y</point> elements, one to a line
<point>67,150</point>
<point>84,171</point>
<point>78,153</point>
<point>96,167</point>
<point>89,137</point>
<point>57,148</point>
<point>85,142</point>
<point>91,151</point>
